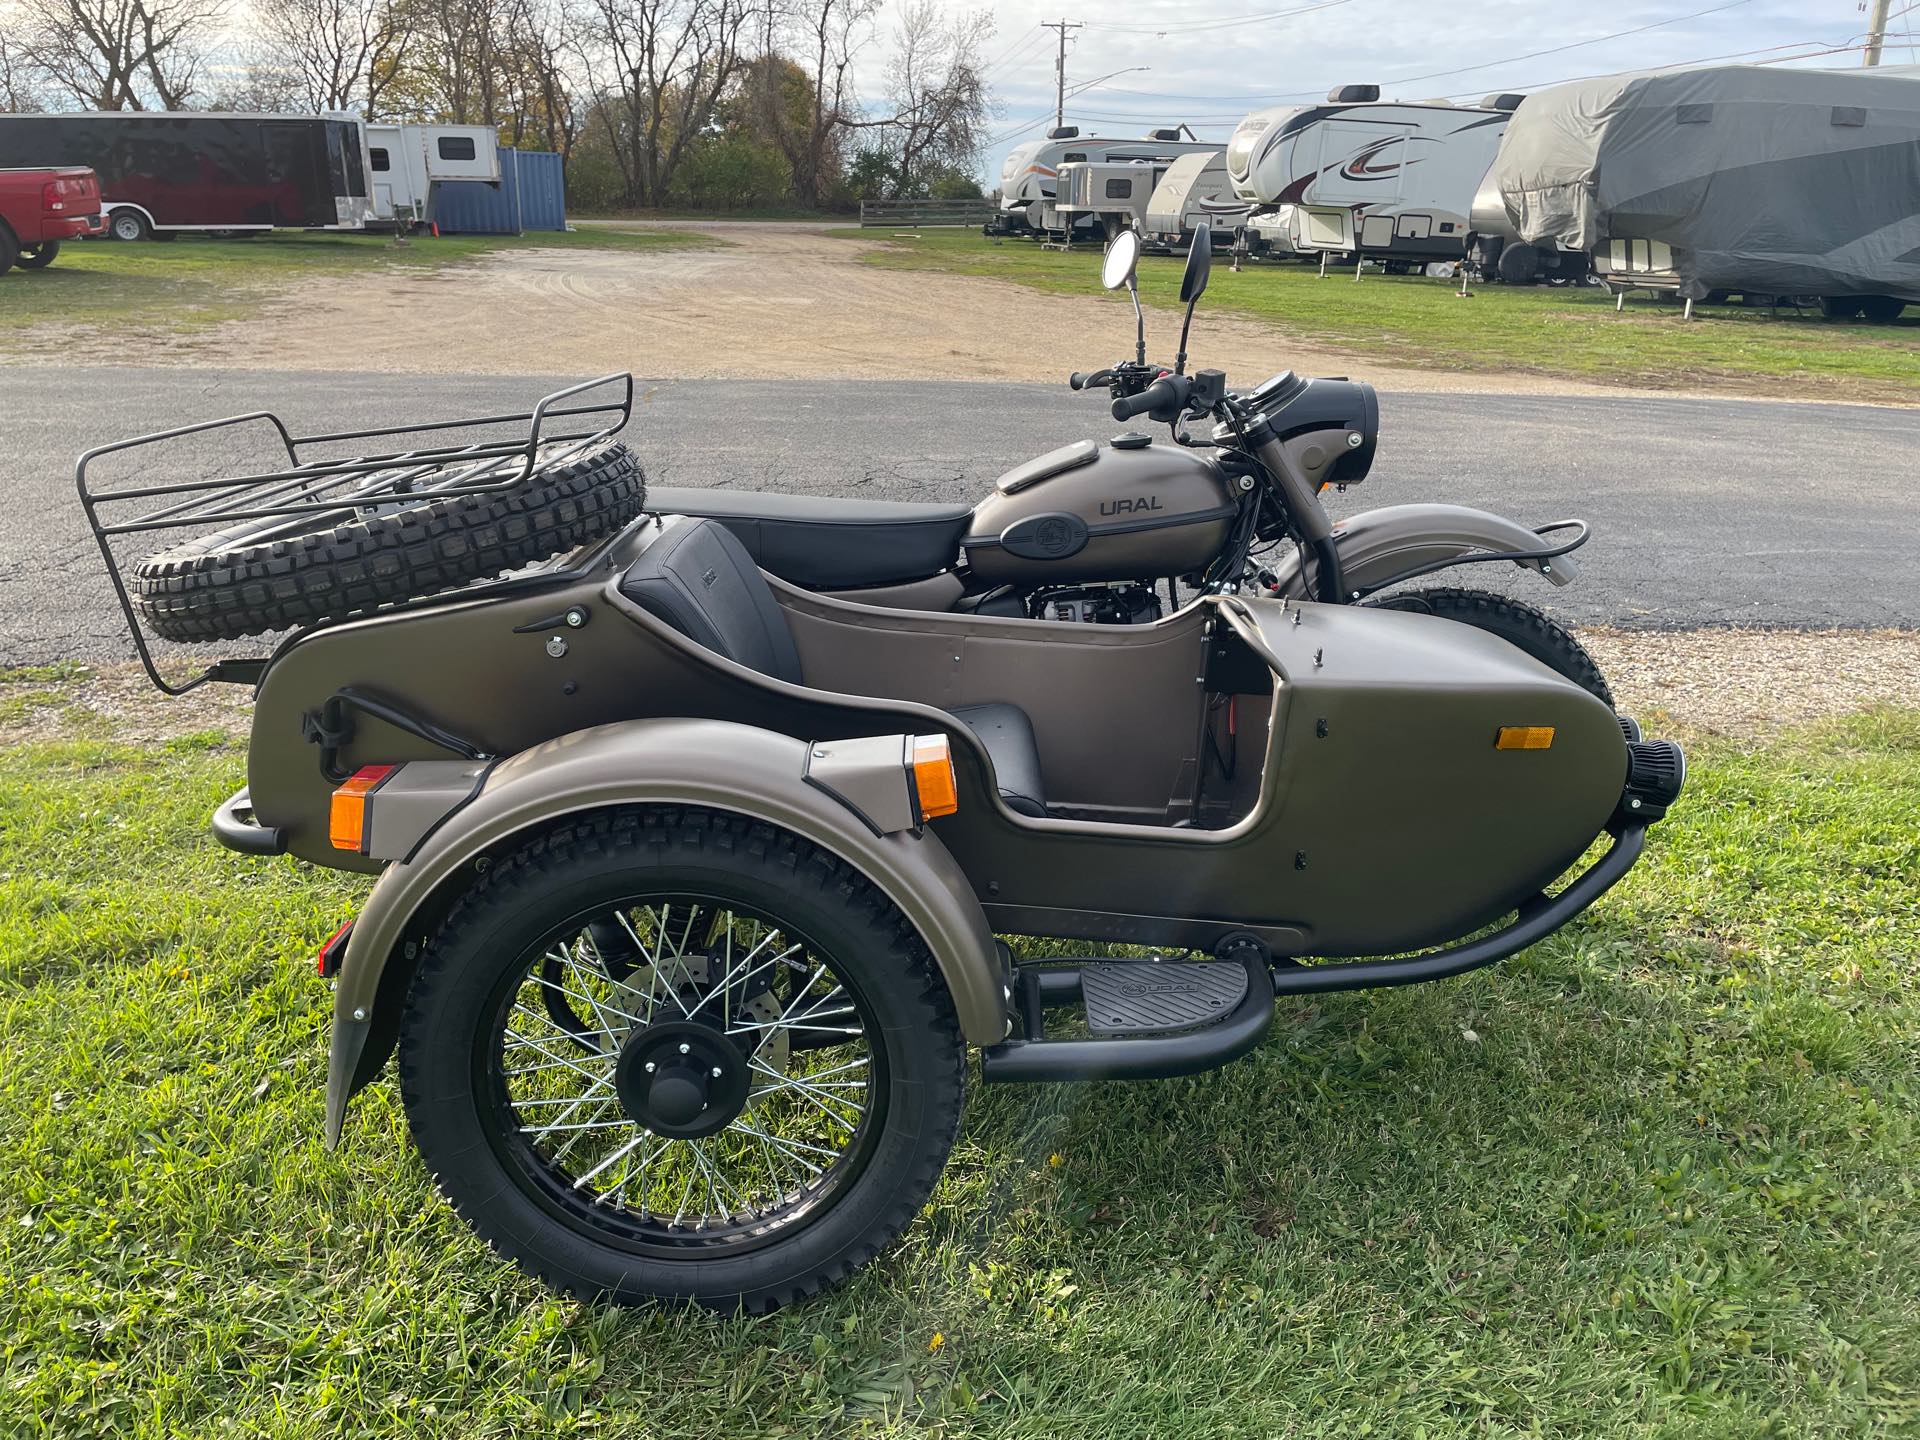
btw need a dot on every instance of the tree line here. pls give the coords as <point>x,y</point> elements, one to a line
<point>652,104</point>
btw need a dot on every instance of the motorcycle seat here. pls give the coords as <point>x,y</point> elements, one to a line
<point>821,542</point>
<point>699,578</point>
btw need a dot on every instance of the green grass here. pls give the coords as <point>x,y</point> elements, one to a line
<point>186,285</point>
<point>1411,320</point>
<point>1656,1177</point>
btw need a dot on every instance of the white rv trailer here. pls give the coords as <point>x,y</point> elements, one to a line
<point>1112,195</point>
<point>1194,189</point>
<point>1390,181</point>
<point>1029,180</point>
<point>407,163</point>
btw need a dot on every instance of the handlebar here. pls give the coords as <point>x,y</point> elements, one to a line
<point>1164,399</point>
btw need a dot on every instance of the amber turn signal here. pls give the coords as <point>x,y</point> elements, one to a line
<point>933,778</point>
<point>1524,737</point>
<point>347,815</point>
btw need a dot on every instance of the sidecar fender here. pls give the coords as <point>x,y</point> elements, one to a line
<point>1381,547</point>
<point>713,764</point>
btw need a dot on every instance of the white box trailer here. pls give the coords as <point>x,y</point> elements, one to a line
<point>1029,180</point>
<point>1365,177</point>
<point>1195,189</point>
<point>407,163</point>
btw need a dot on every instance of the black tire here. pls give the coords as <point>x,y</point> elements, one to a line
<point>1880,309</point>
<point>1839,307</point>
<point>1519,264</point>
<point>128,225</point>
<point>247,581</point>
<point>476,1134</point>
<point>38,257</point>
<point>9,249</point>
<point>1520,624</point>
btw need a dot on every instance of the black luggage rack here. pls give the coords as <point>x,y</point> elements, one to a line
<point>315,488</point>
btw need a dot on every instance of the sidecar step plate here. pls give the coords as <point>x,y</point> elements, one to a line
<point>1146,997</point>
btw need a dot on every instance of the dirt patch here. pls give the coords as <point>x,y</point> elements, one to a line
<point>1744,683</point>
<point>778,302</point>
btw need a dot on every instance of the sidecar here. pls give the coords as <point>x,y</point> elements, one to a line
<point>695,888</point>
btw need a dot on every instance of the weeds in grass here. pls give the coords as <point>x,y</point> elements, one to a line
<point>1655,1177</point>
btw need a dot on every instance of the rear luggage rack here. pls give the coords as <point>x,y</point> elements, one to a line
<point>315,487</point>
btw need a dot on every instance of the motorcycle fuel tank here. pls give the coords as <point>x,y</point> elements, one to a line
<point>1124,510</point>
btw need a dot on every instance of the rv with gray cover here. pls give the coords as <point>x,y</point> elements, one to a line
<point>1754,179</point>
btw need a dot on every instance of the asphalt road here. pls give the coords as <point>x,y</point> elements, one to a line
<point>1706,512</point>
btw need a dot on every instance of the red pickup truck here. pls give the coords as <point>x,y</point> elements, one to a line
<point>42,206</point>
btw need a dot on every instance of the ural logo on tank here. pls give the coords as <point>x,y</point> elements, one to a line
<point>1130,505</point>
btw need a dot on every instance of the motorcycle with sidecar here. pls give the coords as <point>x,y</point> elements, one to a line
<point>692,879</point>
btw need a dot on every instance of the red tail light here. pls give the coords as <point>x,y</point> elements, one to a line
<point>53,195</point>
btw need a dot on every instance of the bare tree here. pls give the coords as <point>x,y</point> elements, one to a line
<point>821,38</point>
<point>938,93</point>
<point>338,54</point>
<point>119,54</point>
<point>19,88</point>
<point>671,61</point>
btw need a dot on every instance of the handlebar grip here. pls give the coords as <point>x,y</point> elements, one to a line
<point>1161,395</point>
<point>1077,380</point>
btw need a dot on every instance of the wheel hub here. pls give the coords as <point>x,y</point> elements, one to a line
<point>682,1079</point>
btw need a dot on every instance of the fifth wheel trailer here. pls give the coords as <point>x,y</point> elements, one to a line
<point>1752,179</point>
<point>1194,189</point>
<point>1029,180</point>
<point>165,171</point>
<point>1387,180</point>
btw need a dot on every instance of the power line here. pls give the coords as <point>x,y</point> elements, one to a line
<point>1063,25</point>
<point>1205,25</point>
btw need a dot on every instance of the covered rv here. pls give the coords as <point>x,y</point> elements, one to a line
<point>1195,188</point>
<point>171,171</point>
<point>1748,178</point>
<point>409,163</point>
<point>1029,180</point>
<point>1386,180</point>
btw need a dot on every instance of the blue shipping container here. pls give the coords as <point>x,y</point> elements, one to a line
<point>531,195</point>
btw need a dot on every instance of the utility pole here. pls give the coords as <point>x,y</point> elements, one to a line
<point>1876,31</point>
<point>1060,66</point>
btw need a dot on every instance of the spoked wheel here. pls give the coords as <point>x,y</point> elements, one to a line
<point>674,1054</point>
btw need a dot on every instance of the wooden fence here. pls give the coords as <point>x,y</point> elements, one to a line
<point>916,213</point>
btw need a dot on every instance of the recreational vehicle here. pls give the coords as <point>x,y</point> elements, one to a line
<point>1390,181</point>
<point>1748,179</point>
<point>162,171</point>
<point>409,162</point>
<point>1195,189</point>
<point>1029,180</point>
<point>1109,195</point>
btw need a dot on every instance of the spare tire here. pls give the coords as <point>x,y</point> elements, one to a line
<point>265,575</point>
<point>1519,264</point>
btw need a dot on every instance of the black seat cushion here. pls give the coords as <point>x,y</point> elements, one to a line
<point>825,543</point>
<point>1008,735</point>
<point>699,579</point>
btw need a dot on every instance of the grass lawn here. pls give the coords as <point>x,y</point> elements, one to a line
<point>1656,1177</point>
<point>189,284</point>
<point>1411,320</point>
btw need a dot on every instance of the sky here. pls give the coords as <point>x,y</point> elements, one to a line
<point>1209,61</point>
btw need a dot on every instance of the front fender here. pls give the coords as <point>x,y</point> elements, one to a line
<point>713,764</point>
<point>1381,547</point>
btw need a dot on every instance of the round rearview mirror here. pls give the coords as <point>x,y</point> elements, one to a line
<point>1193,283</point>
<point>1123,253</point>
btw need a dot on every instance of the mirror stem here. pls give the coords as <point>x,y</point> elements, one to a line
<point>1139,323</point>
<point>1180,360</point>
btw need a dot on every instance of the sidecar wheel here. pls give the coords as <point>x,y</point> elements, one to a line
<point>756,1115</point>
<point>1526,626</point>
